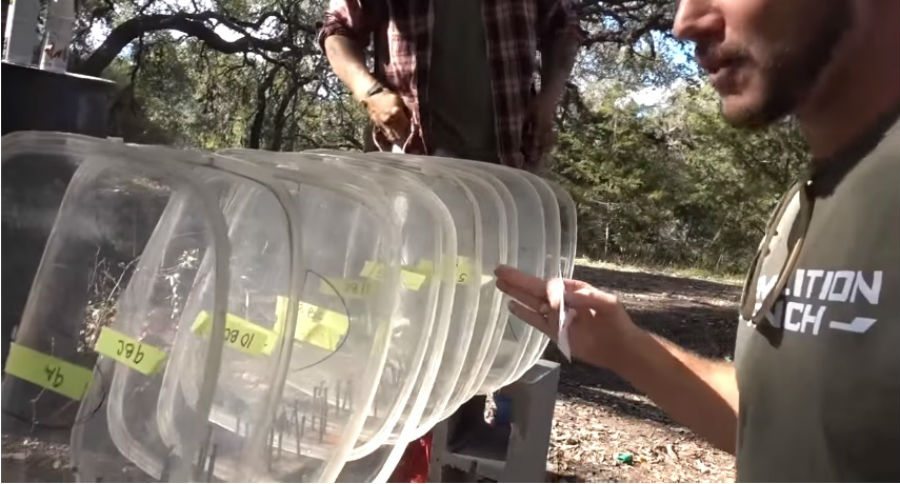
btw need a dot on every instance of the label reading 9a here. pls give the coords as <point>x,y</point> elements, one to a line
<point>54,374</point>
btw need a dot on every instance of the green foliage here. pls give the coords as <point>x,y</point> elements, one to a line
<point>187,95</point>
<point>672,184</point>
<point>666,184</point>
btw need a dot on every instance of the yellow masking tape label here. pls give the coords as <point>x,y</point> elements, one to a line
<point>46,371</point>
<point>348,288</point>
<point>239,333</point>
<point>372,270</point>
<point>140,356</point>
<point>317,326</point>
<point>464,270</point>
<point>411,278</point>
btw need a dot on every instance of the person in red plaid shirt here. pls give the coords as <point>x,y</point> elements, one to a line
<point>456,77</point>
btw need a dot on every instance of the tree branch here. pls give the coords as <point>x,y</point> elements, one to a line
<point>194,25</point>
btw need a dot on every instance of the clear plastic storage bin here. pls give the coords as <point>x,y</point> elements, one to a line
<point>108,215</point>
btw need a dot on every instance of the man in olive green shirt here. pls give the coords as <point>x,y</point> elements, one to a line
<point>814,392</point>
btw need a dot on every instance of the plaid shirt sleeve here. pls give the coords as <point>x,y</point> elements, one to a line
<point>346,18</point>
<point>559,18</point>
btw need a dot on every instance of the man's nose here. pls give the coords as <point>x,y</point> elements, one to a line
<point>698,20</point>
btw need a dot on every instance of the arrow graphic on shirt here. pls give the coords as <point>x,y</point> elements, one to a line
<point>859,325</point>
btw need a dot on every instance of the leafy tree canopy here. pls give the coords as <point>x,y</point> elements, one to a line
<point>657,175</point>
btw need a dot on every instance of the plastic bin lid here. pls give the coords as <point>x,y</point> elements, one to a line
<point>52,333</point>
<point>568,223</point>
<point>143,332</point>
<point>263,267</point>
<point>106,218</point>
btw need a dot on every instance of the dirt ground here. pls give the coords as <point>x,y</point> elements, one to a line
<point>598,416</point>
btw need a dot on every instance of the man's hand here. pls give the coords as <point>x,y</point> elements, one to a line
<point>386,109</point>
<point>695,391</point>
<point>601,329</point>
<point>389,114</point>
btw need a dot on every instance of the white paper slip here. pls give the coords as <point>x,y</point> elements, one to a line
<point>563,343</point>
<point>557,291</point>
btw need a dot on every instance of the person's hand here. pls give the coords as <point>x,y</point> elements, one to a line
<point>389,114</point>
<point>600,330</point>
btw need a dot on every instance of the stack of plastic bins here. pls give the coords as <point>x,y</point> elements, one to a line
<point>378,466</point>
<point>466,210</point>
<point>495,252</point>
<point>231,452</point>
<point>568,222</point>
<point>416,310</point>
<point>493,229</point>
<point>261,266</point>
<point>104,223</point>
<point>341,223</point>
<point>489,290</point>
<point>527,252</point>
<point>427,389</point>
<point>427,229</point>
<point>551,229</point>
<point>275,448</point>
<point>417,297</point>
<point>502,324</point>
<point>466,217</point>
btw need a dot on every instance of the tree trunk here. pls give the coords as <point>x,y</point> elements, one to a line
<point>278,123</point>
<point>259,117</point>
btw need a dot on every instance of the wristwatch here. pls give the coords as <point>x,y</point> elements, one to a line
<point>376,88</point>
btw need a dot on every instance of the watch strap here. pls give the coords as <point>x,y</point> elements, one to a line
<point>376,88</point>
